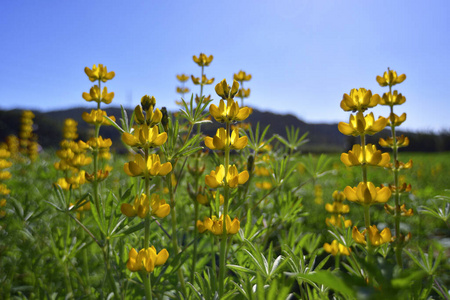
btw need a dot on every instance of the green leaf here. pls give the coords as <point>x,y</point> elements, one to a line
<point>330,280</point>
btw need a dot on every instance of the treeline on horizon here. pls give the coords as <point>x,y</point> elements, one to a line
<point>322,138</point>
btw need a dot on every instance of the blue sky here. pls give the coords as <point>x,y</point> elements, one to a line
<point>303,55</point>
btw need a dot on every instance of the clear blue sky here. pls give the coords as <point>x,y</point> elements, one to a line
<point>303,55</point>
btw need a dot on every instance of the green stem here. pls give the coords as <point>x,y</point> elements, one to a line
<point>84,257</point>
<point>109,274</point>
<point>194,254</point>
<point>147,286</point>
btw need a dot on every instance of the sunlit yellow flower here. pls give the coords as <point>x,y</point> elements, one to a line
<point>5,175</point>
<point>94,95</point>
<point>367,194</point>
<point>3,203</point>
<point>402,141</point>
<point>77,179</point>
<point>159,206</point>
<point>243,93</point>
<point>151,117</point>
<point>401,165</point>
<point>140,207</point>
<point>242,76</point>
<point>395,120</point>
<point>219,141</point>
<point>182,90</point>
<point>225,91</point>
<point>144,136</point>
<point>336,220</point>
<point>392,99</point>
<point>146,259</point>
<point>360,125</point>
<point>229,112</point>
<point>97,116</point>
<point>337,208</point>
<point>5,164</point>
<point>378,238</point>
<point>4,189</point>
<point>203,197</point>
<point>390,78</point>
<point>215,178</point>
<point>101,73</point>
<point>261,171</point>
<point>338,196</point>
<point>99,142</point>
<point>215,225</point>
<point>336,248</point>
<point>82,208</point>
<point>202,60</point>
<point>80,160</point>
<point>374,157</point>
<point>183,77</point>
<point>4,153</point>
<point>153,166</point>
<point>203,81</point>
<point>358,237</point>
<point>63,183</point>
<point>403,211</point>
<point>359,100</point>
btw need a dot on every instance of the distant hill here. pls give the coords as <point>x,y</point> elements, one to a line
<point>322,137</point>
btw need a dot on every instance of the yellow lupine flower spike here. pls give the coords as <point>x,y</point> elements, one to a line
<point>97,116</point>
<point>140,207</point>
<point>202,60</point>
<point>367,194</point>
<point>378,238</point>
<point>99,73</point>
<point>146,259</point>
<point>373,157</point>
<point>390,78</point>
<point>336,220</point>
<point>358,237</point>
<point>360,125</point>
<point>218,142</point>
<point>359,100</point>
<point>336,248</point>
<point>225,91</point>
<point>392,99</point>
<point>229,112</point>
<point>95,95</point>
<point>203,81</point>
<point>215,225</point>
<point>153,166</point>
<point>144,136</point>
<point>159,206</point>
<point>395,120</point>
<point>242,76</point>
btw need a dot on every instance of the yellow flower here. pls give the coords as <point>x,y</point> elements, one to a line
<point>144,137</point>
<point>392,99</point>
<point>97,116</point>
<point>99,142</point>
<point>336,248</point>
<point>337,208</point>
<point>202,60</point>
<point>374,157</point>
<point>140,208</point>
<point>94,95</point>
<point>403,211</point>
<point>100,73</point>
<point>215,225</point>
<point>4,153</point>
<point>225,91</point>
<point>242,76</point>
<point>390,78</point>
<point>378,238</point>
<point>101,175</point>
<point>183,77</point>
<point>153,166</point>
<point>146,259</point>
<point>401,165</point>
<point>204,195</point>
<point>338,196</point>
<point>5,164</point>
<point>215,178</point>
<point>77,179</point>
<point>5,175</point>
<point>229,113</point>
<point>3,203</point>
<point>336,220</point>
<point>243,93</point>
<point>358,237</point>
<point>80,160</point>
<point>395,120</point>
<point>62,183</point>
<point>367,194</point>
<point>219,141</point>
<point>182,90</point>
<point>262,171</point>
<point>197,81</point>
<point>359,100</point>
<point>360,125</point>
<point>4,189</point>
<point>159,207</point>
<point>151,117</point>
<point>402,141</point>
<point>265,185</point>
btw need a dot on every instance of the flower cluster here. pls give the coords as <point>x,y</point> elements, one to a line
<point>4,175</point>
<point>241,77</point>
<point>28,139</point>
<point>337,209</point>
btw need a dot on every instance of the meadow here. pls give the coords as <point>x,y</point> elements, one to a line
<point>239,215</point>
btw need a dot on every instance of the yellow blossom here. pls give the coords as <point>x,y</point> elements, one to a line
<point>243,93</point>
<point>367,194</point>
<point>5,175</point>
<point>140,207</point>
<point>202,60</point>
<point>99,142</point>
<point>336,220</point>
<point>99,73</point>
<point>215,225</point>
<point>182,90</point>
<point>395,120</point>
<point>219,141</point>
<point>359,100</point>
<point>358,237</point>
<point>144,136</point>
<point>97,116</point>
<point>392,99</point>
<point>215,178</point>
<point>378,238</point>
<point>337,208</point>
<point>4,153</point>
<point>338,196</point>
<point>183,77</point>
<point>265,185</point>
<point>153,166</point>
<point>360,125</point>
<point>101,175</point>
<point>5,164</point>
<point>390,78</point>
<point>203,81</point>
<point>146,259</point>
<point>95,95</point>
<point>336,248</point>
<point>374,157</point>
<point>229,112</point>
<point>4,189</point>
<point>242,76</point>
<point>402,141</point>
<point>225,91</point>
<point>159,206</point>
